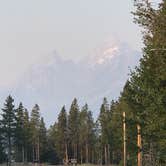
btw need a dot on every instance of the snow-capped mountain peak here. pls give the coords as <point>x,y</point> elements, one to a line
<point>106,54</point>
<point>56,81</point>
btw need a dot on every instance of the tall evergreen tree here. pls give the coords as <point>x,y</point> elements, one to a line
<point>104,119</point>
<point>27,136</point>
<point>19,138</point>
<point>146,91</point>
<point>115,132</point>
<point>8,126</point>
<point>73,128</point>
<point>35,128</point>
<point>2,149</point>
<point>43,141</point>
<point>62,138</point>
<point>86,134</point>
<point>52,155</point>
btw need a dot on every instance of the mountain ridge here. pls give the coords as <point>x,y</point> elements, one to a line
<point>56,81</point>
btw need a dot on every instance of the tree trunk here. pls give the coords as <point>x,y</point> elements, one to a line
<point>75,151</point>
<point>81,156</point>
<point>66,154</point>
<point>26,155</point>
<point>9,152</point>
<point>105,154</point>
<point>23,153</point>
<point>108,146</point>
<point>152,156</point>
<point>38,151</point>
<point>33,153</point>
<point>87,153</point>
<point>92,156</point>
<point>101,157</point>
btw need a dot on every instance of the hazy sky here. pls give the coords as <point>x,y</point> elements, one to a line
<point>30,30</point>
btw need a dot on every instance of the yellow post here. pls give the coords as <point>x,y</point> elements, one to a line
<point>139,156</point>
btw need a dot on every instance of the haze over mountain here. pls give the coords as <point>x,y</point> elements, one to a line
<point>54,81</point>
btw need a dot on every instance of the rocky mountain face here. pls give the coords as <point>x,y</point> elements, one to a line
<point>55,81</point>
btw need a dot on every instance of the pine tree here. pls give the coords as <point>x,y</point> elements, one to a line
<point>27,136</point>
<point>146,91</point>
<point>2,149</point>
<point>35,128</point>
<point>115,132</point>
<point>52,155</point>
<point>86,135</point>
<point>8,126</point>
<point>43,141</point>
<point>73,128</point>
<point>104,119</point>
<point>97,144</point>
<point>19,138</point>
<point>62,138</point>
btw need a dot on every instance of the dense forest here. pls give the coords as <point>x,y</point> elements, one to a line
<point>25,138</point>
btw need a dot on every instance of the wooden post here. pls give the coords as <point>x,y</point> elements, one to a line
<point>139,156</point>
<point>124,139</point>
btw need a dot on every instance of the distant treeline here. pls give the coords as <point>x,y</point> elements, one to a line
<point>24,137</point>
<point>76,135</point>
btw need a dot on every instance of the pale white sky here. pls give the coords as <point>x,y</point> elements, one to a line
<point>30,30</point>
